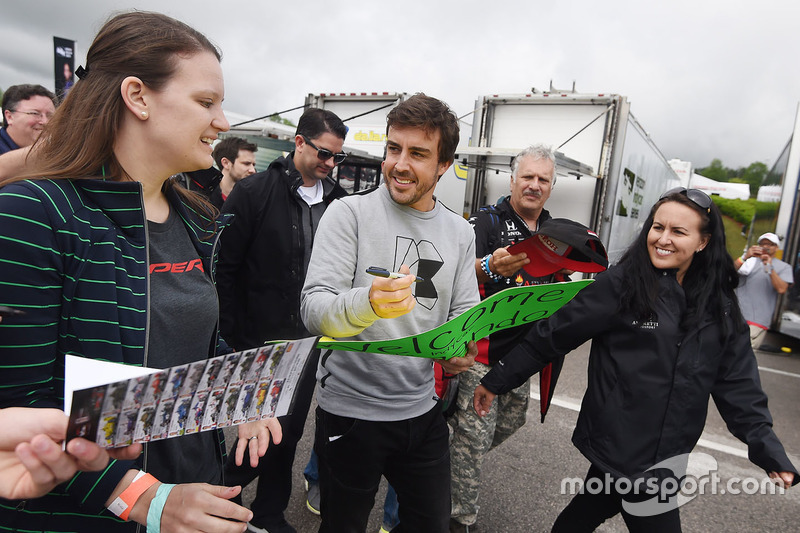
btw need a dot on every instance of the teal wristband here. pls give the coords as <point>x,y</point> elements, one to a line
<point>157,507</point>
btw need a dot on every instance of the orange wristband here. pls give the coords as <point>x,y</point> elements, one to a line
<point>122,504</point>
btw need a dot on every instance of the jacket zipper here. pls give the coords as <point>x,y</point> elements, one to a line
<point>139,527</point>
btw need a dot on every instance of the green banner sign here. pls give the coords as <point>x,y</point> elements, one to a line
<point>506,309</point>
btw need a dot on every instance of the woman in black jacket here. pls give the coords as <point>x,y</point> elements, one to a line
<point>666,333</point>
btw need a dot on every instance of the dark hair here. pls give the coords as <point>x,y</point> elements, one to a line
<point>79,141</point>
<point>710,276</point>
<point>430,114</point>
<point>229,149</point>
<point>19,93</point>
<point>314,122</point>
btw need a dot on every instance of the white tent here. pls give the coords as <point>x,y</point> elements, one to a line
<point>721,188</point>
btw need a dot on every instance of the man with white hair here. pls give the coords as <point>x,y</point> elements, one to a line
<point>513,219</point>
<point>762,278</point>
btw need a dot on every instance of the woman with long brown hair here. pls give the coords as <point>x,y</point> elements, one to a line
<point>80,236</point>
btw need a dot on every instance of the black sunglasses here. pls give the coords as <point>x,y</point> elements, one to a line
<point>324,154</point>
<point>696,195</point>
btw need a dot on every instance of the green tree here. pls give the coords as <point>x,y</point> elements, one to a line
<point>280,120</point>
<point>715,171</point>
<point>754,176</point>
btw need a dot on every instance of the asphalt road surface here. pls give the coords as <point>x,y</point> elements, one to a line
<point>522,478</point>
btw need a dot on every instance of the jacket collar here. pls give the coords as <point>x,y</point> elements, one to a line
<point>202,228</point>
<point>121,202</point>
<point>671,275</point>
<point>294,179</point>
<point>6,141</point>
<point>505,205</point>
<point>288,172</point>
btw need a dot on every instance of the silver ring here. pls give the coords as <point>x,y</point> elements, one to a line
<point>251,438</point>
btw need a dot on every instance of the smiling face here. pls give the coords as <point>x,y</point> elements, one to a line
<point>27,120</point>
<point>412,168</point>
<point>186,116</point>
<point>675,236</point>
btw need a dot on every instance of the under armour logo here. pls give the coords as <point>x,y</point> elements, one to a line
<point>427,261</point>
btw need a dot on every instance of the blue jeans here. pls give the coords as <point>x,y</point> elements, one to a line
<point>390,510</point>
<point>390,505</point>
<point>311,471</point>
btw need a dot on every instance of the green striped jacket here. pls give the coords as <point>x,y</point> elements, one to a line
<point>73,256</point>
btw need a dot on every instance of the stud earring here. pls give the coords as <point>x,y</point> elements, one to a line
<point>144,114</point>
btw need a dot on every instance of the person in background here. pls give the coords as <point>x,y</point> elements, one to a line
<point>26,110</point>
<point>236,159</point>
<point>378,414</point>
<point>69,81</point>
<point>80,231</point>
<point>263,260</point>
<point>513,219</point>
<point>762,277</point>
<point>666,334</point>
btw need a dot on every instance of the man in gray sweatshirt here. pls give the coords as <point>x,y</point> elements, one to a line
<point>379,414</point>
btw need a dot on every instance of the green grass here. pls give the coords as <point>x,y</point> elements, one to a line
<point>733,237</point>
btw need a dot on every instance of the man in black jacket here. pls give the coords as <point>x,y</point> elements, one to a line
<point>236,159</point>
<point>262,266</point>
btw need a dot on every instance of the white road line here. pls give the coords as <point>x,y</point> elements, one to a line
<point>572,406</point>
<point>781,372</point>
<point>724,448</point>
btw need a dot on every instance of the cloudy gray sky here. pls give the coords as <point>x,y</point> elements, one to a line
<point>706,78</point>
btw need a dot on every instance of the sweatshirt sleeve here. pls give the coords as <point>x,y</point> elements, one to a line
<point>465,286</point>
<point>329,304</point>
<point>587,315</point>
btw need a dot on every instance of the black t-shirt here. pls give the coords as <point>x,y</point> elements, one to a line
<point>183,301</point>
<point>183,322</point>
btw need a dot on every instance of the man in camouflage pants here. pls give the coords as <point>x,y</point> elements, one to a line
<point>513,219</point>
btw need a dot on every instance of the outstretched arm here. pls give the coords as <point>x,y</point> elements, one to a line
<point>742,403</point>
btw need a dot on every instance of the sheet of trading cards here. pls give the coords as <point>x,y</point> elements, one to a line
<point>219,392</point>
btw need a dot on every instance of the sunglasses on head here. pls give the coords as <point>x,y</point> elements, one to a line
<point>695,195</point>
<point>324,154</point>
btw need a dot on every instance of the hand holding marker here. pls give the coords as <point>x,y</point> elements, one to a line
<point>383,273</point>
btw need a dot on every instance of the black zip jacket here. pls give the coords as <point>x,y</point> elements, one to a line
<point>649,382</point>
<point>261,265</point>
<point>498,226</point>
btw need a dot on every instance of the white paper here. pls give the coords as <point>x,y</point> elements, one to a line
<point>83,373</point>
